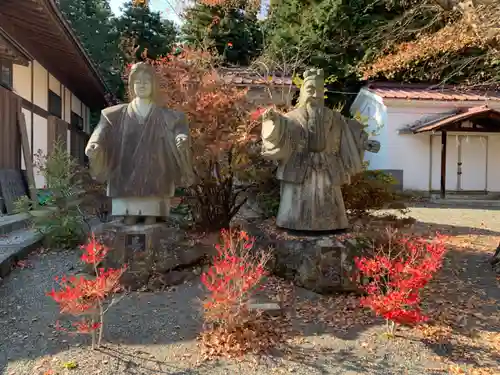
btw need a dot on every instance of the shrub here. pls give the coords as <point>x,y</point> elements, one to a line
<point>237,272</point>
<point>95,201</point>
<point>370,190</point>
<point>59,217</point>
<point>223,135</point>
<point>395,275</point>
<point>268,194</point>
<point>79,296</point>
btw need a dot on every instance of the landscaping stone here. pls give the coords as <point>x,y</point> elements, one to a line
<point>170,278</point>
<point>270,308</point>
<point>150,250</point>
<point>16,246</point>
<point>323,263</point>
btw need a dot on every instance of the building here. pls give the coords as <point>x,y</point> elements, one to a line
<point>262,90</point>
<point>434,139</point>
<point>47,75</point>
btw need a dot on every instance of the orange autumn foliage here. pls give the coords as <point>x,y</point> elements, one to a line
<point>471,27</point>
<point>223,134</point>
<point>450,39</point>
<point>218,112</point>
<point>237,4</point>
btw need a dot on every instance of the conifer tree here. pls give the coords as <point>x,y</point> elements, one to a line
<point>92,22</point>
<point>146,30</point>
<point>232,32</point>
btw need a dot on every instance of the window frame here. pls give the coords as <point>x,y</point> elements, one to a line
<point>52,94</point>
<point>9,64</point>
<point>74,116</point>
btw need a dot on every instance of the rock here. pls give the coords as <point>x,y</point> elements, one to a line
<point>149,250</point>
<point>170,278</point>
<point>270,308</point>
<point>322,263</point>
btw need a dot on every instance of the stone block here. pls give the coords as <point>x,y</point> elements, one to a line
<point>156,249</point>
<point>323,263</point>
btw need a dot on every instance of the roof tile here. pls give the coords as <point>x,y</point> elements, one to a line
<point>426,92</point>
<point>242,76</point>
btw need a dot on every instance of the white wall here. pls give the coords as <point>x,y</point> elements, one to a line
<point>412,152</point>
<point>40,86</point>
<point>76,105</point>
<point>67,105</point>
<point>40,142</point>
<point>493,158</point>
<point>54,85</point>
<point>21,81</point>
<point>36,76</point>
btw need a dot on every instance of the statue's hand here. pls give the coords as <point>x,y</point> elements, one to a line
<point>181,140</point>
<point>372,146</point>
<point>92,149</point>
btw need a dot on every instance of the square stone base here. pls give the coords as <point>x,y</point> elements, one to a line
<point>147,250</point>
<point>323,263</point>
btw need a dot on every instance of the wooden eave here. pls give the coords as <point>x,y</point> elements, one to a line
<point>41,29</point>
<point>11,50</point>
<point>487,118</point>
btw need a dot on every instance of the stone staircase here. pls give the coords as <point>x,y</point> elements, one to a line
<point>16,241</point>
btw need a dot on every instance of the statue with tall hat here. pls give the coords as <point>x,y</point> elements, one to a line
<point>317,151</point>
<point>142,151</point>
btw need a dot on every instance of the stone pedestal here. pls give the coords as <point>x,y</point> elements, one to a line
<point>149,251</point>
<point>323,263</point>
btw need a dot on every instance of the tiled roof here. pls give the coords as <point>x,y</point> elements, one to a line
<point>427,92</point>
<point>248,77</point>
<point>438,121</point>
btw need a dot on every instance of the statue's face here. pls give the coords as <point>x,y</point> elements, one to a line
<point>313,91</point>
<point>143,86</point>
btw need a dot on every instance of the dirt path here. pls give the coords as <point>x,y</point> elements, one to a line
<point>155,333</point>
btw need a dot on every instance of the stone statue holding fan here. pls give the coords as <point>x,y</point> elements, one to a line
<point>317,150</point>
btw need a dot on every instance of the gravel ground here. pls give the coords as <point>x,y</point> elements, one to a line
<point>155,333</point>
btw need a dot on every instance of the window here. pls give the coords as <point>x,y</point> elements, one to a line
<point>55,104</point>
<point>6,73</point>
<point>76,120</point>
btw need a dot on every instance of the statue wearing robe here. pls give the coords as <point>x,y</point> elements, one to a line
<point>317,151</point>
<point>142,150</point>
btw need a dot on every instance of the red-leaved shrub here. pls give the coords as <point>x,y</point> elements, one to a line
<point>81,297</point>
<point>396,275</point>
<point>236,273</point>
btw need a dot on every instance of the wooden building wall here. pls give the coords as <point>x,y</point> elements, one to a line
<point>10,140</point>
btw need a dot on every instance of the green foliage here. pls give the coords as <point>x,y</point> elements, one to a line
<point>112,41</point>
<point>93,23</point>
<point>140,27</point>
<point>369,190</point>
<point>336,35</point>
<point>59,219</point>
<point>234,34</point>
<point>268,192</point>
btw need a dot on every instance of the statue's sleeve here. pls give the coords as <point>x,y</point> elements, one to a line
<point>280,137</point>
<point>182,139</point>
<point>352,144</point>
<point>98,157</point>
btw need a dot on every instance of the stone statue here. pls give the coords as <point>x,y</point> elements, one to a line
<point>142,150</point>
<point>317,151</point>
